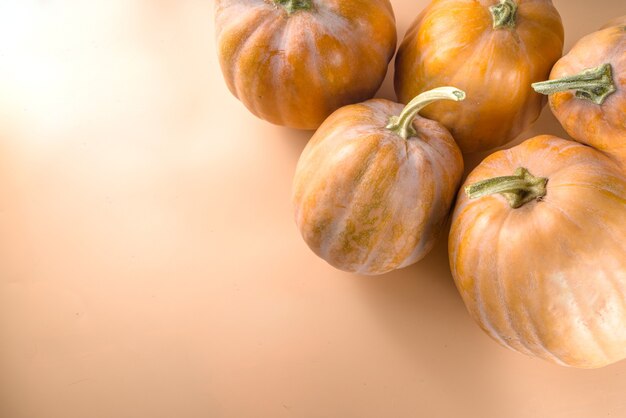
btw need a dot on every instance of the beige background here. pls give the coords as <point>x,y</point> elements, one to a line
<point>150,267</point>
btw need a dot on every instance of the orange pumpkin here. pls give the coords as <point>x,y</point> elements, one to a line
<point>493,51</point>
<point>293,62</point>
<point>587,89</point>
<point>372,189</point>
<point>538,251</point>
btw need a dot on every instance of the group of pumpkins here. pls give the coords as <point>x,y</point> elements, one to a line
<point>537,244</point>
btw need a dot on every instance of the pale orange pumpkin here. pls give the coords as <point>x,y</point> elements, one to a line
<point>587,90</point>
<point>539,252</point>
<point>493,51</point>
<point>372,189</point>
<point>293,62</point>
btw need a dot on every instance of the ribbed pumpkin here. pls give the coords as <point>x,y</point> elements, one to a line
<point>372,189</point>
<point>587,90</point>
<point>293,62</point>
<point>491,50</point>
<point>539,253</point>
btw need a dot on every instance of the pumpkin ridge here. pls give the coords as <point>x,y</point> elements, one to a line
<point>334,228</point>
<point>308,156</point>
<point>401,255</point>
<point>318,63</point>
<point>233,56</point>
<point>275,63</point>
<point>453,245</point>
<point>307,159</point>
<point>379,190</point>
<point>432,171</point>
<point>502,290</point>
<point>610,279</point>
<point>465,209</point>
<point>578,303</point>
<point>250,42</point>
<point>282,66</point>
<point>458,76</point>
<point>476,258</point>
<point>541,284</point>
<point>548,353</point>
<point>382,233</point>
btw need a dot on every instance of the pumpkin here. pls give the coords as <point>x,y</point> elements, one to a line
<point>293,62</point>
<point>587,90</point>
<point>375,183</point>
<point>491,50</point>
<point>537,250</point>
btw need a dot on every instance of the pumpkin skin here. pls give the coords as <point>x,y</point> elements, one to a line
<point>453,42</point>
<point>369,201</point>
<point>294,69</point>
<point>547,279</point>
<point>603,126</point>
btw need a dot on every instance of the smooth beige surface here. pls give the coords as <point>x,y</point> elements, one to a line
<point>149,262</point>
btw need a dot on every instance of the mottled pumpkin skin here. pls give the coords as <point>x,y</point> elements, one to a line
<point>453,42</point>
<point>296,69</point>
<point>368,201</point>
<point>601,126</point>
<point>549,278</point>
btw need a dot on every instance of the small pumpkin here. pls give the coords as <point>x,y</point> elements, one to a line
<point>537,250</point>
<point>491,50</point>
<point>375,183</point>
<point>587,90</point>
<point>293,62</point>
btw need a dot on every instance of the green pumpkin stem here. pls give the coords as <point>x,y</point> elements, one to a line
<point>403,124</point>
<point>293,6</point>
<point>593,84</point>
<point>518,189</point>
<point>504,14</point>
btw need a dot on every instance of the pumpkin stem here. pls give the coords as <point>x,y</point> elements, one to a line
<point>518,189</point>
<point>294,5</point>
<point>403,124</point>
<point>594,84</point>
<point>504,14</point>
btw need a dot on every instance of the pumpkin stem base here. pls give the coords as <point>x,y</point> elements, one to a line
<point>504,14</point>
<point>593,84</point>
<point>518,189</point>
<point>293,6</point>
<point>403,124</point>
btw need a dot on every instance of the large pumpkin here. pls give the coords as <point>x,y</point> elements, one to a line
<point>587,90</point>
<point>539,254</point>
<point>374,185</point>
<point>491,50</point>
<point>293,62</point>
